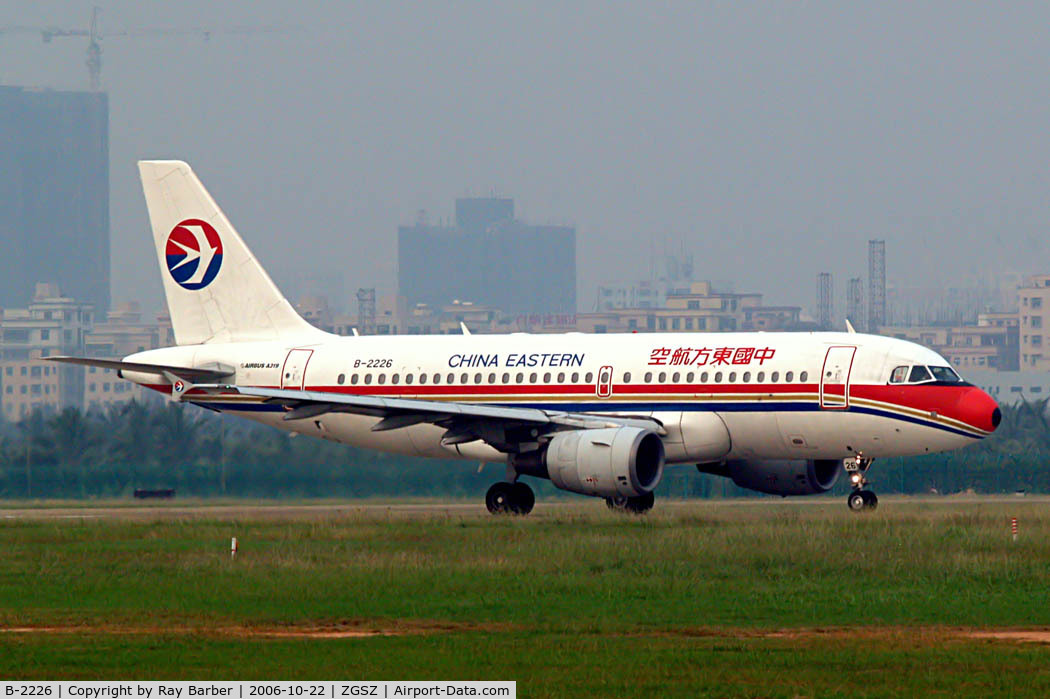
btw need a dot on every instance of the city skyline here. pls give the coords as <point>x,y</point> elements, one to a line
<point>774,142</point>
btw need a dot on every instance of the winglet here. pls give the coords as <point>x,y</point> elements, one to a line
<point>849,328</point>
<point>178,386</point>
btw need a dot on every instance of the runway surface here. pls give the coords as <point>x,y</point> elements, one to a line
<point>115,510</point>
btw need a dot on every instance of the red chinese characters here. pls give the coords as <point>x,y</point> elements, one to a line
<point>693,356</point>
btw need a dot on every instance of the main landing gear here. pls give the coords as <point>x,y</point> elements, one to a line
<point>510,498</point>
<point>860,498</point>
<point>637,505</point>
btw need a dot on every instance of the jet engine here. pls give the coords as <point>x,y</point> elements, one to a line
<point>611,462</point>
<point>779,477</point>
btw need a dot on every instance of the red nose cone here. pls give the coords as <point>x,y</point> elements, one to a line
<point>977,408</point>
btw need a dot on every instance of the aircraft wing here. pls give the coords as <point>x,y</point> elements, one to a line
<point>503,427</point>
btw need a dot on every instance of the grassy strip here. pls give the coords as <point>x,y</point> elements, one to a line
<point>561,665</point>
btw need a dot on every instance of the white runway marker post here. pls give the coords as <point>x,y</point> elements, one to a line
<point>1013,527</point>
<point>233,547</point>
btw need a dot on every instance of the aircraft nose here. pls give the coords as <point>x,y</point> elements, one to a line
<point>979,409</point>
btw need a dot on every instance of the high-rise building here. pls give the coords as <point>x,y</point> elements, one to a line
<point>825,301</point>
<point>876,285</point>
<point>855,303</point>
<point>54,194</point>
<point>488,257</point>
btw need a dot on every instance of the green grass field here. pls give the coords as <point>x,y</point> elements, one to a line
<point>764,598</point>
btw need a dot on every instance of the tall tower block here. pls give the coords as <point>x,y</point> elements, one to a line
<point>825,307</point>
<point>855,303</point>
<point>876,285</point>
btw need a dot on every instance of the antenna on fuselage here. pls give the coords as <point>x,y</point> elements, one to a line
<point>463,327</point>
<point>849,328</point>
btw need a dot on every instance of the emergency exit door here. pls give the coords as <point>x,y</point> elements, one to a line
<point>294,373</point>
<point>834,378</point>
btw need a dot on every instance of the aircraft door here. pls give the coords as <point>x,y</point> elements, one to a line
<point>294,373</point>
<point>603,388</point>
<point>834,378</point>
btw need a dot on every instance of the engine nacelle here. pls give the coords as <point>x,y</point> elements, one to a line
<point>780,477</point>
<point>610,462</point>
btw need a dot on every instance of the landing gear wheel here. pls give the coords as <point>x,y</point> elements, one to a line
<point>862,500</point>
<point>499,498</point>
<point>641,504</point>
<point>510,498</point>
<point>855,500</point>
<point>871,500</point>
<point>523,498</point>
<point>637,505</point>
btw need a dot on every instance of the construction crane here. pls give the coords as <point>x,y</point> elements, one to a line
<point>95,36</point>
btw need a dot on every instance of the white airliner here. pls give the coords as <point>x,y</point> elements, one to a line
<point>600,415</point>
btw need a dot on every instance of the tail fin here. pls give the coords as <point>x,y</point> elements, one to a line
<point>216,290</point>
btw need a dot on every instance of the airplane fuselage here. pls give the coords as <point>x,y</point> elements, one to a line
<point>719,396</point>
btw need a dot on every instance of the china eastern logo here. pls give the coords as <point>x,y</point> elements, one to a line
<point>193,253</point>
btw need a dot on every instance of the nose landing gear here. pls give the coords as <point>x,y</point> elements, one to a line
<point>860,498</point>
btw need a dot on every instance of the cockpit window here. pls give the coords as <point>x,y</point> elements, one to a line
<point>899,375</point>
<point>919,373</point>
<point>945,373</point>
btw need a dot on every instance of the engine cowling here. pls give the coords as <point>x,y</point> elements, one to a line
<point>610,462</point>
<point>780,477</point>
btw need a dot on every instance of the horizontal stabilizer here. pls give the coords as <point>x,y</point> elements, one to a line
<point>185,373</point>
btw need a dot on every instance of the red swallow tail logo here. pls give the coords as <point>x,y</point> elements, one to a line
<point>193,254</point>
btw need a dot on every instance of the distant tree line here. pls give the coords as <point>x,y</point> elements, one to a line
<point>76,454</point>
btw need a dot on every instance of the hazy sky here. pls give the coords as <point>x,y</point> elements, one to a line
<point>772,139</point>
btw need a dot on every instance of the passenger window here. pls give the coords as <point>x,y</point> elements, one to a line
<point>422,378</point>
<point>675,377</point>
<point>506,378</point>
<point>492,378</point>
<point>589,377</point>
<point>747,377</point>
<point>520,378</point>
<point>575,377</point>
<point>919,373</point>
<point>477,378</point>
<point>627,377</point>
<point>437,378</point>
<point>561,377</point>
<point>803,376</point>
<point>451,378</point>
<point>732,377</point>
<point>718,377</point>
<point>353,378</point>
<point>689,377</point>
<point>547,377</point>
<point>775,376</point>
<point>663,377</point>
<point>532,377</point>
<point>899,375</point>
<point>341,379</point>
<point>408,378</point>
<point>605,377</point>
<point>381,379</point>
<point>703,377</point>
<point>648,377</point>
<point>789,376</point>
<point>463,378</point>
<point>395,378</point>
<point>761,377</point>
<point>368,378</point>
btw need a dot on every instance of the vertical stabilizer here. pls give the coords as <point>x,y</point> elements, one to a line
<point>216,290</point>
